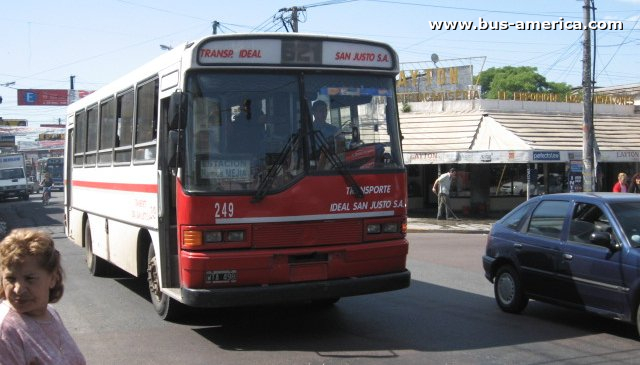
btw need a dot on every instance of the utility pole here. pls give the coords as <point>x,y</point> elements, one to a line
<point>294,19</point>
<point>215,26</point>
<point>294,16</point>
<point>587,105</point>
<point>72,93</point>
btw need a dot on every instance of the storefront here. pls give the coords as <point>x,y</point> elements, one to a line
<point>502,158</point>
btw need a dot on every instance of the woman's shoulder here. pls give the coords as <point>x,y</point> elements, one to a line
<point>11,322</point>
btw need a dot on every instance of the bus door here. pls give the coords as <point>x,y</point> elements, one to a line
<point>167,204</point>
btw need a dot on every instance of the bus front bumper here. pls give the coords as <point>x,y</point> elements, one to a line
<point>295,292</point>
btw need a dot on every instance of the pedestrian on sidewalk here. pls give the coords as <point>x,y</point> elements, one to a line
<point>621,185</point>
<point>442,188</point>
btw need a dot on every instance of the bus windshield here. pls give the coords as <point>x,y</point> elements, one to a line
<point>245,129</point>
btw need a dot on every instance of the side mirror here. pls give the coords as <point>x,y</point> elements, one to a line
<point>177,111</point>
<point>174,156</point>
<point>604,239</point>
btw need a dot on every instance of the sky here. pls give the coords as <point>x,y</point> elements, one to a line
<point>43,43</point>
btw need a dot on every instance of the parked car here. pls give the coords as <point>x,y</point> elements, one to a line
<point>519,187</point>
<point>580,250</point>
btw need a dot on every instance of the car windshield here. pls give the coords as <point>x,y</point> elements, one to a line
<point>628,215</point>
<point>264,131</point>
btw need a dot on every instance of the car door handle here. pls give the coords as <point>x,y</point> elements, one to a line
<point>567,256</point>
<point>517,246</point>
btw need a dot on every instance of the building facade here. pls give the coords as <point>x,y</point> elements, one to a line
<point>508,150</point>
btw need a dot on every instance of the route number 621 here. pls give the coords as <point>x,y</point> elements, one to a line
<point>223,210</point>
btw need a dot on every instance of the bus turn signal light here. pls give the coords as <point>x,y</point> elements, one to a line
<point>192,238</point>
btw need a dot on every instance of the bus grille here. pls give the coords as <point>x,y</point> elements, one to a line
<point>307,234</point>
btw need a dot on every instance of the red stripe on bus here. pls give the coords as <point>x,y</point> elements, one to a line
<point>138,188</point>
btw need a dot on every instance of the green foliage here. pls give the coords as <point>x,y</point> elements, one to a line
<point>511,79</point>
<point>406,107</point>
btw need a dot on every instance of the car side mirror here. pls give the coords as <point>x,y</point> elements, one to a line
<point>604,239</point>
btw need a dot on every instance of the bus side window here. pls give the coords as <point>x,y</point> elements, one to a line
<point>124,126</point>
<point>92,136</point>
<point>146,121</point>
<point>79,146</point>
<point>107,131</point>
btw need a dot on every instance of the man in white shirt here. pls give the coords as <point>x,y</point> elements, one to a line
<point>442,187</point>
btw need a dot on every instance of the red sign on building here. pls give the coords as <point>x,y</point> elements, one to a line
<point>49,97</point>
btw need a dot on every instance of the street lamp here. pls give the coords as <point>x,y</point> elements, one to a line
<point>165,48</point>
<point>8,84</point>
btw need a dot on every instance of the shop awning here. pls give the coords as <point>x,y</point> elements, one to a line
<point>514,137</point>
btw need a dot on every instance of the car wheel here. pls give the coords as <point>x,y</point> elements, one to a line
<point>508,290</point>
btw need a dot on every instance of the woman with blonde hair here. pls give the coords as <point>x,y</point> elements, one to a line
<point>621,185</point>
<point>31,330</point>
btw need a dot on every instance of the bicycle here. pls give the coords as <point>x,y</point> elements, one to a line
<point>46,195</point>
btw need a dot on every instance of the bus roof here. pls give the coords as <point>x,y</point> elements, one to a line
<point>289,50</point>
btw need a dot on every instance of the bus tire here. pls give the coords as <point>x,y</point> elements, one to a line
<point>97,265</point>
<point>166,307</point>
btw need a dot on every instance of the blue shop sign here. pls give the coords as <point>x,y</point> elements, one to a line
<point>546,156</point>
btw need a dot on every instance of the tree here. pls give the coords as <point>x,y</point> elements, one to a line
<point>511,79</point>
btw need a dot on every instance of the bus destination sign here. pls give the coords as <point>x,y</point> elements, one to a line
<point>295,53</point>
<point>233,170</point>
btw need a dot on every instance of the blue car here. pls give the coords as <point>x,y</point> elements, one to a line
<point>580,250</point>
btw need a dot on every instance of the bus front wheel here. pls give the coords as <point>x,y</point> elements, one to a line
<point>165,306</point>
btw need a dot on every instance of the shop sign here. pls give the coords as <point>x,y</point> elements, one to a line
<point>546,156</point>
<point>620,156</point>
<point>494,157</point>
<point>428,158</point>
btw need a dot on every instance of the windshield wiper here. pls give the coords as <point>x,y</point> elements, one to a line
<point>337,163</point>
<point>267,181</point>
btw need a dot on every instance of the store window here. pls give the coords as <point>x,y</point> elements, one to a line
<point>511,179</point>
<point>461,185</point>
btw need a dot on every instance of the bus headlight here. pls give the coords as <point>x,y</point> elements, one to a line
<point>390,227</point>
<point>235,236</point>
<point>212,236</point>
<point>373,228</point>
<point>197,239</point>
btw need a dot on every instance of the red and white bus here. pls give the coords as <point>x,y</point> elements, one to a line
<point>204,172</point>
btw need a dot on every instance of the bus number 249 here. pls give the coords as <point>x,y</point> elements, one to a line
<point>224,210</point>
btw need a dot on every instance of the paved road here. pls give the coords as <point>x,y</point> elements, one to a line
<point>447,316</point>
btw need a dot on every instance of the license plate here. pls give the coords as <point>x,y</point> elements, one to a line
<point>223,276</point>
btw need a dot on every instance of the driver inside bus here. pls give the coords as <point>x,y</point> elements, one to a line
<point>319,111</point>
<point>330,133</point>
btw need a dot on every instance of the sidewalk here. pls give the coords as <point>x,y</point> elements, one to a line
<point>462,225</point>
<point>425,221</point>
